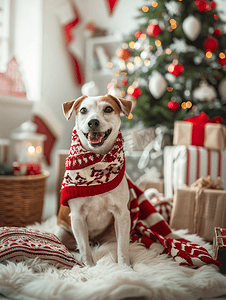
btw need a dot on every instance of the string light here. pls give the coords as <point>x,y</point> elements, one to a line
<point>130,66</point>
<point>137,59</point>
<point>194,108</point>
<point>124,74</point>
<point>169,89</point>
<point>158,43</point>
<point>168,51</point>
<point>122,94</point>
<point>172,21</point>
<point>147,62</point>
<point>222,55</point>
<point>173,26</point>
<point>143,36</point>
<point>145,9</point>
<point>208,54</point>
<point>130,90</point>
<point>150,47</point>
<point>154,4</point>
<point>189,104</point>
<point>117,73</point>
<point>183,105</point>
<point>31,149</point>
<point>130,116</point>
<point>109,65</point>
<point>125,46</point>
<point>38,149</point>
<point>131,44</point>
<point>122,66</point>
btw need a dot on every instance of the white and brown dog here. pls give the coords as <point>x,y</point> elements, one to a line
<point>95,192</point>
<point>97,123</point>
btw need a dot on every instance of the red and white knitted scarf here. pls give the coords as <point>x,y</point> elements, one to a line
<point>89,174</point>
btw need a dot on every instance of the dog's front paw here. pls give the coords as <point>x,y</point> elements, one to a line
<point>87,260</point>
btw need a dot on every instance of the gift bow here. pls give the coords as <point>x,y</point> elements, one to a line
<point>198,128</point>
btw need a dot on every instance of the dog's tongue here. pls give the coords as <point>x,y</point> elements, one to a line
<point>95,137</point>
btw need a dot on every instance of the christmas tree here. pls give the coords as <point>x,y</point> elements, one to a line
<point>174,64</point>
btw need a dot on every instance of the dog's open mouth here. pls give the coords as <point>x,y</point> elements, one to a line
<point>97,138</point>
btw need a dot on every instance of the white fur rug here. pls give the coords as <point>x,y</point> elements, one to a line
<point>151,276</point>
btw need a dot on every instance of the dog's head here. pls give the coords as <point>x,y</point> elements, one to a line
<point>97,120</point>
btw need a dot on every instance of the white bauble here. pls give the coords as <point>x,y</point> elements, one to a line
<point>157,84</point>
<point>90,89</point>
<point>222,89</point>
<point>205,92</point>
<point>192,27</point>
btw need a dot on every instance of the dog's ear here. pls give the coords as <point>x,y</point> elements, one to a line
<point>125,105</point>
<point>69,106</point>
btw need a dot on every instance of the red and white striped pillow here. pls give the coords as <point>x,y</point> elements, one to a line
<point>19,243</point>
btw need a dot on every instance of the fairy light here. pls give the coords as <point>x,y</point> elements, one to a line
<point>122,66</point>
<point>158,43</point>
<point>122,94</point>
<point>147,62</point>
<point>38,149</point>
<point>130,116</point>
<point>117,73</point>
<point>109,65</point>
<point>130,66</point>
<point>125,46</point>
<point>221,55</point>
<point>145,9</point>
<point>143,36</point>
<point>31,149</point>
<point>124,73</point>
<point>208,54</point>
<point>150,47</point>
<point>154,4</point>
<point>189,104</point>
<point>137,59</point>
<point>110,85</point>
<point>130,90</point>
<point>172,21</point>
<point>168,51</point>
<point>169,89</point>
<point>194,108</point>
<point>184,105</point>
<point>174,26</point>
<point>131,44</point>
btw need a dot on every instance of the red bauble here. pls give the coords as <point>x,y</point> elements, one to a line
<point>213,4</point>
<point>138,34</point>
<point>124,82</point>
<point>124,54</point>
<point>217,32</point>
<point>154,30</point>
<point>136,93</point>
<point>202,5</point>
<point>176,70</point>
<point>222,61</point>
<point>173,105</point>
<point>210,44</point>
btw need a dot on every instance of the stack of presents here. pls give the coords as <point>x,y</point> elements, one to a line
<point>192,178</point>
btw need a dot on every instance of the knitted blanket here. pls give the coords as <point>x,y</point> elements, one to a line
<point>89,174</point>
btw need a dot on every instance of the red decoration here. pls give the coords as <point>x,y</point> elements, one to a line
<point>27,168</point>
<point>213,4</point>
<point>176,69</point>
<point>68,30</point>
<point>216,17</point>
<point>222,61</point>
<point>154,30</point>
<point>111,5</point>
<point>210,44</point>
<point>136,92</point>
<point>173,105</point>
<point>124,54</point>
<point>124,82</point>
<point>138,34</point>
<point>51,138</point>
<point>11,82</point>
<point>203,6</point>
<point>198,128</point>
<point>217,32</point>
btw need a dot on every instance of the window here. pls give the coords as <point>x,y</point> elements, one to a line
<point>4,33</point>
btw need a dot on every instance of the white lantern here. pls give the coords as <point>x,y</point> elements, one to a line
<point>28,145</point>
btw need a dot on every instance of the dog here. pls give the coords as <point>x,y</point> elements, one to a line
<point>103,216</point>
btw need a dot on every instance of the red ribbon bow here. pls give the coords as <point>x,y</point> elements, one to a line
<point>198,128</point>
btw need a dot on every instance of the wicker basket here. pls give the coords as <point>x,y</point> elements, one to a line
<point>21,199</point>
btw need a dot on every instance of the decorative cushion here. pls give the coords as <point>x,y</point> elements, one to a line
<point>19,243</point>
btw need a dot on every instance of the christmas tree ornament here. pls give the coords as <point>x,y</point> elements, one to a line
<point>210,44</point>
<point>157,85</point>
<point>173,105</point>
<point>134,91</point>
<point>222,61</point>
<point>217,32</point>
<point>138,34</point>
<point>124,82</point>
<point>203,6</point>
<point>213,4</point>
<point>154,30</point>
<point>192,27</point>
<point>205,92</point>
<point>176,69</point>
<point>222,89</point>
<point>90,89</point>
<point>124,54</point>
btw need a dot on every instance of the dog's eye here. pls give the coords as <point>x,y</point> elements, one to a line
<point>83,110</point>
<point>108,109</point>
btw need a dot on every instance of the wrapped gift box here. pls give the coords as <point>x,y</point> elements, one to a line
<point>199,212</point>
<point>148,184</point>
<point>219,245</point>
<point>185,164</point>
<point>200,131</point>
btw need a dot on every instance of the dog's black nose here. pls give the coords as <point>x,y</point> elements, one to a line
<point>93,124</point>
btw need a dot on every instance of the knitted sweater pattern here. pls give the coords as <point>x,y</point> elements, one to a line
<point>88,173</point>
